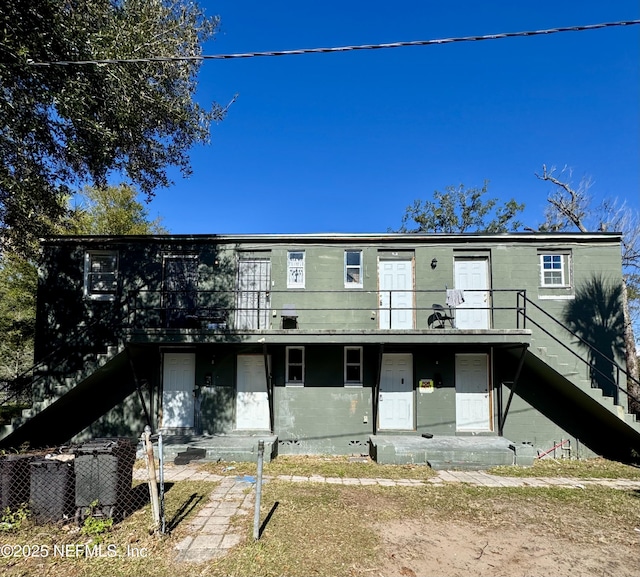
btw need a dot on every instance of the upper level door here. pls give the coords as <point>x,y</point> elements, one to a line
<point>253,303</point>
<point>472,276</point>
<point>395,282</point>
<point>179,289</point>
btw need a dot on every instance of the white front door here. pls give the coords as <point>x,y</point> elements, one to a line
<point>178,383</point>
<point>252,402</point>
<point>473,403</point>
<point>472,277</point>
<point>395,280</point>
<point>395,409</point>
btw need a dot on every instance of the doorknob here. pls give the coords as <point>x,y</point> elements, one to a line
<point>402,381</point>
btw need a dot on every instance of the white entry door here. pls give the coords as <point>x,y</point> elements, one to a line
<point>395,280</point>
<point>472,276</point>
<point>252,402</point>
<point>473,403</point>
<point>395,407</point>
<point>178,383</point>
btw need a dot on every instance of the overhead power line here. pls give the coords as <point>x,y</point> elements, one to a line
<point>438,41</point>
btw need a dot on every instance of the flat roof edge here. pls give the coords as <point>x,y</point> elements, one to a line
<point>337,237</point>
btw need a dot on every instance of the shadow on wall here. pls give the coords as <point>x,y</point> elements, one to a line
<point>596,316</point>
<point>127,419</point>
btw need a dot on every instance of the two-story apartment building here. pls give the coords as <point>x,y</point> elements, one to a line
<point>331,341</point>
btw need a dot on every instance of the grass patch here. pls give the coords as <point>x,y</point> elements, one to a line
<point>314,530</point>
<point>596,468</point>
<point>325,466</point>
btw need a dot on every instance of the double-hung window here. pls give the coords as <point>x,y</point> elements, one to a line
<point>100,275</point>
<point>294,366</point>
<point>295,269</point>
<point>353,269</point>
<point>353,366</point>
<point>554,269</point>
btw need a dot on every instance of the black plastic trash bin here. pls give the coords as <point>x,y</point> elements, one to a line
<point>52,490</point>
<point>15,479</point>
<point>104,474</point>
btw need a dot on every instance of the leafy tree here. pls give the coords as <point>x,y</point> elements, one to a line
<point>110,210</point>
<point>66,126</point>
<point>18,282</point>
<point>460,209</point>
<point>573,207</point>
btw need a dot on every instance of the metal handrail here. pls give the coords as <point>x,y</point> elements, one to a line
<point>198,304</point>
<point>28,375</point>
<point>592,349</point>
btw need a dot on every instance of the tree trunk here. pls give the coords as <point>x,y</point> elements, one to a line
<point>633,388</point>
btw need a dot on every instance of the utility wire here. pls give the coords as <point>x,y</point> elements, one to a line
<point>336,48</point>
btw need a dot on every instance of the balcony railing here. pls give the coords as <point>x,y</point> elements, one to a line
<point>260,310</point>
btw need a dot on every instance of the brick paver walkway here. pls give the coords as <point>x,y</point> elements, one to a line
<point>213,533</point>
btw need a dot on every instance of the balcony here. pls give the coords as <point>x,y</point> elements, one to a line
<point>327,316</point>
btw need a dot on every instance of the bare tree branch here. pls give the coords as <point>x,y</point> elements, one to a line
<point>571,204</point>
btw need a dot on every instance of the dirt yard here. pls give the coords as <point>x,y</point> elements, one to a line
<point>459,549</point>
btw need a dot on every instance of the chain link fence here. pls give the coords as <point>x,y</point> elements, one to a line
<point>105,478</point>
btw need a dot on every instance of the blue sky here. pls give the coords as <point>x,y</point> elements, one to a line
<point>344,142</point>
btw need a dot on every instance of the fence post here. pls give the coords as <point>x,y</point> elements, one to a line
<point>256,514</point>
<point>161,465</point>
<point>153,481</point>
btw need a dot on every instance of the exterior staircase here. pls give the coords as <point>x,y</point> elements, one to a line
<point>63,405</point>
<point>573,374</point>
<point>595,419</point>
<point>563,390</point>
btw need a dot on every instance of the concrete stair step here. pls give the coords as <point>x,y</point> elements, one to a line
<point>225,448</point>
<point>443,452</point>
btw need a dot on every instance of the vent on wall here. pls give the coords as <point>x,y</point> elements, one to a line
<point>358,443</point>
<point>290,443</point>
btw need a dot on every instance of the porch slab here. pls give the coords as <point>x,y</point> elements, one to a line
<point>212,448</point>
<point>443,452</point>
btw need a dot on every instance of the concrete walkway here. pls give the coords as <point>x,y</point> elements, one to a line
<point>213,534</point>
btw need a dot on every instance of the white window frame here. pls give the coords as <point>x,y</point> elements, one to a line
<point>91,269</point>
<point>347,267</point>
<point>289,364</point>
<point>347,364</point>
<point>553,257</point>
<point>295,269</point>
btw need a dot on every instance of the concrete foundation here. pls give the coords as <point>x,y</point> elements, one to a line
<point>438,452</point>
